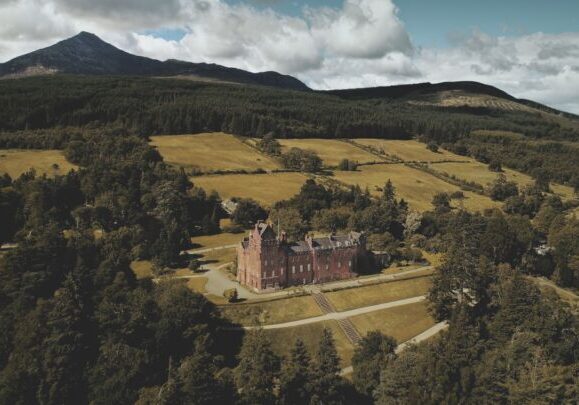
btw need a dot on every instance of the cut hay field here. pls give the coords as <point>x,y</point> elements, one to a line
<point>415,186</point>
<point>330,151</point>
<point>212,151</point>
<point>271,312</point>
<point>479,173</point>
<point>15,162</point>
<point>402,323</point>
<point>264,188</point>
<point>409,150</point>
<point>358,297</point>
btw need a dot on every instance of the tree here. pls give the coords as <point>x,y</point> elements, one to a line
<point>389,192</point>
<point>290,220</point>
<point>441,202</point>
<point>248,212</point>
<point>495,166</point>
<point>327,385</point>
<point>431,146</point>
<point>257,369</point>
<point>295,377</point>
<point>501,189</point>
<point>370,357</point>
<point>347,165</point>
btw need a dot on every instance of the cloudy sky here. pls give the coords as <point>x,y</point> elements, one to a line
<point>530,48</point>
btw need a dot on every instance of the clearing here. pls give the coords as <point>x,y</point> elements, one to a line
<point>402,323</point>
<point>267,188</point>
<point>409,151</point>
<point>330,151</point>
<point>374,294</point>
<point>16,161</point>
<point>212,151</point>
<point>415,186</point>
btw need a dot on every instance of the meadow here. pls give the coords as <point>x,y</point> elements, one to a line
<point>409,150</point>
<point>210,151</point>
<point>49,162</point>
<point>330,151</point>
<point>264,188</point>
<point>415,186</point>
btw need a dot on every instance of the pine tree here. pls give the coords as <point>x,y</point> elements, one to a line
<point>257,369</point>
<point>295,376</point>
<point>327,385</point>
<point>369,359</point>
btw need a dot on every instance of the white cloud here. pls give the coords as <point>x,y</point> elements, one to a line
<point>362,43</point>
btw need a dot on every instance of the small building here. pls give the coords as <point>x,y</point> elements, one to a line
<point>266,261</point>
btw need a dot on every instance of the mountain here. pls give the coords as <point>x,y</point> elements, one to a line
<point>87,54</point>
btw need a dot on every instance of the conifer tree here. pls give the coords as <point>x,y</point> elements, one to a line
<point>295,376</point>
<point>258,367</point>
<point>327,385</point>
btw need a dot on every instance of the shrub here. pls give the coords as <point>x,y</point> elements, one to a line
<point>230,294</point>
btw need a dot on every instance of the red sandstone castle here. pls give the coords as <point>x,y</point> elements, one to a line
<point>266,261</point>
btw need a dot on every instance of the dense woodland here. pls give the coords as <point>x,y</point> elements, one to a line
<point>77,327</point>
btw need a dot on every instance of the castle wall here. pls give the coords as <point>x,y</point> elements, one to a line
<point>266,262</point>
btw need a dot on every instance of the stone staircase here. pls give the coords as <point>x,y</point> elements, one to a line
<point>345,324</point>
<point>323,303</point>
<point>350,331</point>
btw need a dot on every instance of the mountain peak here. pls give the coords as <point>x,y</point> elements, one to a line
<point>87,54</point>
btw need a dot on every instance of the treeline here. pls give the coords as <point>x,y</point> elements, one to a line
<point>163,106</point>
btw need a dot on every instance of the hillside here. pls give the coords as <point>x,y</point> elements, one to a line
<point>87,54</point>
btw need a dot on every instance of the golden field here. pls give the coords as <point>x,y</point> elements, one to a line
<point>264,188</point>
<point>415,186</point>
<point>15,162</point>
<point>409,150</point>
<point>211,151</point>
<point>479,173</point>
<point>330,151</point>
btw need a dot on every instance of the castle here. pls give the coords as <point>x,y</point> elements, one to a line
<point>266,261</point>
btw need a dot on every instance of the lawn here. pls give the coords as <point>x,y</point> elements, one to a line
<point>197,284</point>
<point>272,312</point>
<point>219,257</point>
<point>374,294</point>
<point>15,162</point>
<point>331,151</point>
<point>213,151</point>
<point>283,339</point>
<point>402,323</point>
<point>264,188</point>
<point>220,239</point>
<point>409,150</point>
<point>415,186</point>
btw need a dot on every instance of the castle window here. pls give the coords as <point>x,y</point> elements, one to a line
<point>301,268</point>
<point>327,266</point>
<point>309,267</point>
<point>340,264</point>
<point>281,271</point>
<point>273,273</point>
<point>293,269</point>
<point>350,263</point>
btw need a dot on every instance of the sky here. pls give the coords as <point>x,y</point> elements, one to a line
<point>529,48</point>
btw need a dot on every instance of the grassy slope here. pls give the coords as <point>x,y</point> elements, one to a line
<point>330,151</point>
<point>214,151</point>
<point>265,188</point>
<point>378,293</point>
<point>15,162</point>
